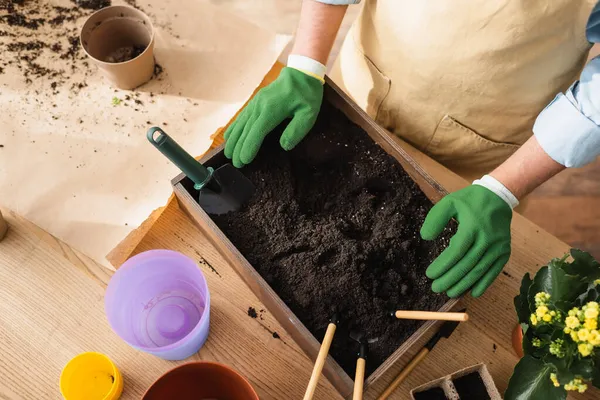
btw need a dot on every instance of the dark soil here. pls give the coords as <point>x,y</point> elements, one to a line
<point>47,34</point>
<point>471,387</point>
<point>252,312</point>
<point>92,4</point>
<point>436,393</point>
<point>334,226</point>
<point>41,40</point>
<point>124,54</point>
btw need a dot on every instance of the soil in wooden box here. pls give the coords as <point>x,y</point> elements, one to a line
<point>471,387</point>
<point>334,225</point>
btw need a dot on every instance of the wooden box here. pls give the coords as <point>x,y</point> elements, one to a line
<point>309,344</point>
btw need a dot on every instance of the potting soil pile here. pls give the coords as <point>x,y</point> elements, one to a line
<point>334,226</point>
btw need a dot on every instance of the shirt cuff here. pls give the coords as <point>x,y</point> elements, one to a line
<point>565,134</point>
<point>308,66</point>
<point>495,186</point>
<point>339,2</point>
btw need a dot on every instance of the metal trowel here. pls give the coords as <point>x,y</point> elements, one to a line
<point>221,190</point>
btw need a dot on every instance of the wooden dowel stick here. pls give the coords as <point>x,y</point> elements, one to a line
<point>359,379</point>
<point>432,315</point>
<point>405,372</point>
<point>320,362</point>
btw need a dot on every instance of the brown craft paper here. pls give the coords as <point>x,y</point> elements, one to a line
<point>77,162</point>
<point>113,28</point>
<point>127,246</point>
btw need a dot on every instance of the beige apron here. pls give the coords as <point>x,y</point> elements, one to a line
<point>463,80</point>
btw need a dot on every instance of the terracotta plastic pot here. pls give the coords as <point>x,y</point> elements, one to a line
<point>517,340</point>
<point>120,41</point>
<point>201,380</point>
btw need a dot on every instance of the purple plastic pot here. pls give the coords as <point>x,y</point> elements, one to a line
<point>158,302</point>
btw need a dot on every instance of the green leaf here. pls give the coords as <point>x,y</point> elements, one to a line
<point>596,377</point>
<point>590,295</point>
<point>522,302</point>
<point>527,345</point>
<point>563,288</point>
<point>596,371</point>
<point>561,368</point>
<point>583,367</point>
<point>583,265</point>
<point>563,373</point>
<point>531,380</point>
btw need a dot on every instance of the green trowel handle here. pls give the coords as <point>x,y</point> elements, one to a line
<point>178,156</point>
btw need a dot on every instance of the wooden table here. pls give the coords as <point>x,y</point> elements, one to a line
<point>51,308</point>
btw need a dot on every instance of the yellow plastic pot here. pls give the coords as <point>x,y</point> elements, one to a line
<point>91,376</point>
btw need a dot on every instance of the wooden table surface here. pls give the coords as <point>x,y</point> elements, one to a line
<point>51,308</point>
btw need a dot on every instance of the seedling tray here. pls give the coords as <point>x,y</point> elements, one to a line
<point>472,383</point>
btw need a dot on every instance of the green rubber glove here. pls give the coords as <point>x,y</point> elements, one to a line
<point>479,249</point>
<point>294,95</point>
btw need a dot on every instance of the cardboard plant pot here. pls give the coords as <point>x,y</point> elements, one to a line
<point>201,380</point>
<point>120,41</point>
<point>282,311</point>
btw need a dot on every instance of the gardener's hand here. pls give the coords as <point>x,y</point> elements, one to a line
<point>294,94</point>
<point>481,246</point>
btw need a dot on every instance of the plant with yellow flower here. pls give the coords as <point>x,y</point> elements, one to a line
<point>558,311</point>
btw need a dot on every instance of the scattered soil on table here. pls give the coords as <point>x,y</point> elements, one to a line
<point>252,312</point>
<point>92,4</point>
<point>436,393</point>
<point>42,39</point>
<point>123,54</point>
<point>276,335</point>
<point>471,387</point>
<point>334,226</point>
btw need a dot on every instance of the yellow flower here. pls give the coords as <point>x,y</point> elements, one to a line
<point>583,334</point>
<point>597,282</point>
<point>547,318</point>
<point>591,313</point>
<point>541,311</point>
<point>576,384</point>
<point>572,322</point>
<point>574,336</point>
<point>534,320</point>
<point>553,313</point>
<point>594,338</point>
<point>573,312</point>
<point>554,380</point>
<point>541,298</point>
<point>567,330</point>
<point>590,324</point>
<point>592,304</point>
<point>585,349</point>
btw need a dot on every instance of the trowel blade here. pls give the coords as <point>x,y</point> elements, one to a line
<point>227,191</point>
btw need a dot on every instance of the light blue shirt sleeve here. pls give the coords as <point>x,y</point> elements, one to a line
<point>568,129</point>
<point>339,2</point>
